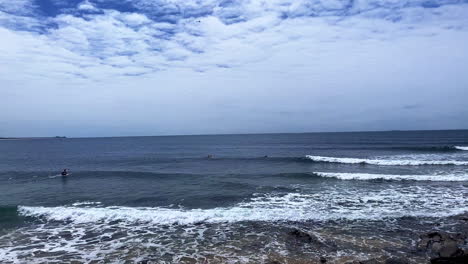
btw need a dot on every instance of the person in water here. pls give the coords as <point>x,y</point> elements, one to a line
<point>64,172</point>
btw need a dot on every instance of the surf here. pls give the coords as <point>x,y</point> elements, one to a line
<point>325,205</point>
<point>386,162</point>
<point>368,176</point>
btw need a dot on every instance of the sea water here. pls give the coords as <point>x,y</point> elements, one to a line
<point>228,198</point>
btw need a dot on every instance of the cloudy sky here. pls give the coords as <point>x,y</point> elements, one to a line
<point>157,67</point>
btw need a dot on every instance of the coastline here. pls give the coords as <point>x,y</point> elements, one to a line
<point>439,241</point>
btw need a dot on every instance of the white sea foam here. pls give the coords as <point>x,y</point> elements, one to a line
<point>387,162</point>
<point>85,203</point>
<point>461,147</point>
<point>368,176</point>
<point>330,204</point>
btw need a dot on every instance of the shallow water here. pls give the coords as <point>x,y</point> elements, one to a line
<point>232,198</point>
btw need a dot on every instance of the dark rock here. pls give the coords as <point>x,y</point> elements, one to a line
<point>370,261</point>
<point>396,261</point>
<point>453,260</point>
<point>323,260</point>
<point>436,246</point>
<point>301,236</point>
<point>273,262</point>
<point>463,217</point>
<point>444,248</point>
<point>450,249</point>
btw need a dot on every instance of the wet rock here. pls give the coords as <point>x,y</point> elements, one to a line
<point>301,236</point>
<point>396,261</point>
<point>436,246</point>
<point>273,262</point>
<point>453,260</point>
<point>323,260</point>
<point>450,249</point>
<point>463,217</point>
<point>444,248</point>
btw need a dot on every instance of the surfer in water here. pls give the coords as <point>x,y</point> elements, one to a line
<point>64,172</point>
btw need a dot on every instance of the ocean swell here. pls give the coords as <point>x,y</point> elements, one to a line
<point>386,162</point>
<point>330,204</point>
<point>368,176</point>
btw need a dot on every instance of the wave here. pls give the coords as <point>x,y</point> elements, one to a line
<point>461,147</point>
<point>367,176</point>
<point>7,210</point>
<point>386,162</point>
<point>423,148</point>
<point>329,204</point>
<point>436,148</point>
<point>9,217</point>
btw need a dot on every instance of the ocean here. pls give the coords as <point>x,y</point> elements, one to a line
<point>260,198</point>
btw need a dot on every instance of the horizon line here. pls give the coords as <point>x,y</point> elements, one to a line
<point>232,134</point>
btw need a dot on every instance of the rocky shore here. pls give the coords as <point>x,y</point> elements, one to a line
<point>447,243</point>
<point>408,240</point>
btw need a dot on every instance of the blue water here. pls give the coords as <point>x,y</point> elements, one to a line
<point>132,184</point>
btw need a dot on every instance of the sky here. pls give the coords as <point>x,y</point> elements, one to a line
<point>162,67</point>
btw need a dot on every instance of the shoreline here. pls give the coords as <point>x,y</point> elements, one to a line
<point>435,240</point>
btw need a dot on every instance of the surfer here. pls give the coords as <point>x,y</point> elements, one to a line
<point>64,172</point>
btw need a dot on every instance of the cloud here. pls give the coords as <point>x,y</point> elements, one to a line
<point>181,30</point>
<point>325,52</point>
<point>86,5</point>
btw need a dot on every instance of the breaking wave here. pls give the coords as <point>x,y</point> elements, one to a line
<point>330,204</point>
<point>368,176</point>
<point>461,147</point>
<point>386,162</point>
<point>427,148</point>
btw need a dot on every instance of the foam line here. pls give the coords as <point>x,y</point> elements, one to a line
<point>386,162</point>
<point>367,176</point>
<point>330,204</point>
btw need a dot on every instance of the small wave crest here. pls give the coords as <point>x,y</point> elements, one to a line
<point>386,162</point>
<point>461,147</point>
<point>427,148</point>
<point>368,176</point>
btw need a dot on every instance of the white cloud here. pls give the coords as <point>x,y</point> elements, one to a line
<point>135,19</point>
<point>269,58</point>
<point>86,5</point>
<point>18,7</point>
